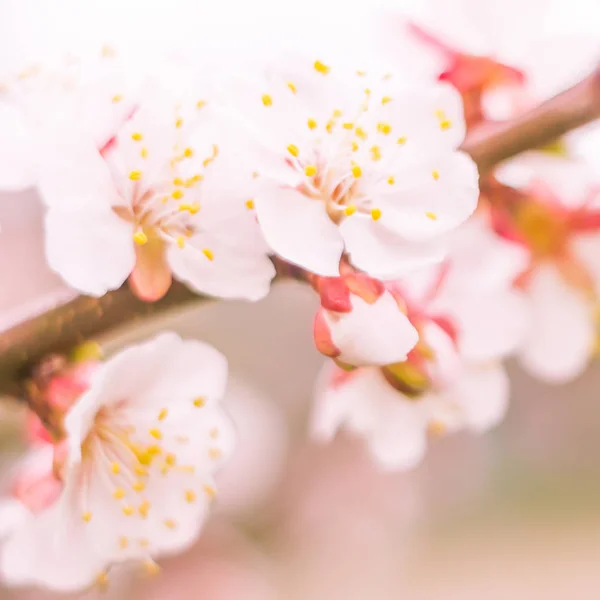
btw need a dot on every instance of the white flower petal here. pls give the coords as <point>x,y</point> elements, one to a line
<point>92,250</point>
<point>13,515</point>
<point>299,230</point>
<point>372,334</point>
<point>384,255</point>
<point>561,337</point>
<point>586,247</point>
<point>18,158</point>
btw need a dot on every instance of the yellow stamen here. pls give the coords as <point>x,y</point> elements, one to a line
<point>200,104</point>
<point>375,153</point>
<point>151,567</point>
<point>102,580</point>
<point>291,86</point>
<point>123,542</point>
<point>177,195</point>
<point>384,128</point>
<point>179,122</point>
<point>87,516</point>
<point>321,67</point>
<point>401,140</point>
<point>143,509</point>
<point>190,496</point>
<point>375,214</point>
<point>348,125</point>
<point>356,171</point>
<point>140,238</point>
<point>210,491</point>
<point>162,415</point>
<point>170,523</point>
<point>431,215</point>
<point>208,253</point>
<point>181,242</point>
<point>354,146</point>
<point>337,113</point>
<point>445,124</point>
<point>144,152</point>
<point>293,150</point>
<point>214,433</point>
<point>178,181</point>
<point>249,204</point>
<point>199,402</point>
<point>310,170</point>
<point>391,180</point>
<point>116,468</point>
<point>435,174</point>
<point>361,73</point>
<point>137,137</point>
<point>128,510</point>
<point>117,98</point>
<point>386,99</point>
<point>188,152</point>
<point>361,133</point>
<point>119,494</point>
<point>267,100</point>
<point>171,459</point>
<point>135,175</point>
<point>350,210</point>
<point>138,486</point>
<point>215,453</point>
<point>155,433</point>
<point>141,471</point>
<point>312,124</point>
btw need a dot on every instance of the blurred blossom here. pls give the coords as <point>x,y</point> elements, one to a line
<point>134,477</point>
<point>358,162</point>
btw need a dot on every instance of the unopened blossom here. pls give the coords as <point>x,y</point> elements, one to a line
<point>356,163</point>
<point>452,379</point>
<point>164,198</point>
<point>96,92</point>
<point>503,57</point>
<point>360,322</point>
<point>136,467</point>
<point>554,214</point>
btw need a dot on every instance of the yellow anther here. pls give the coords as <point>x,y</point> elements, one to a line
<point>144,543</point>
<point>436,428</point>
<point>337,113</point>
<point>329,126</point>
<point>361,133</point>
<point>215,453</point>
<point>115,468</point>
<point>375,153</point>
<point>154,450</point>
<point>250,204</point>
<point>350,210</point>
<point>435,174</point>
<point>171,459</point>
<point>190,496</point>
<point>386,99</point>
<point>348,125</point>
<point>384,128</point>
<point>181,242</point>
<point>387,76</point>
<point>196,178</point>
<point>87,516</point>
<point>214,433</point>
<point>177,195</point>
<point>312,124</point>
<point>291,86</point>
<point>178,181</point>
<point>151,567</point>
<point>117,98</point>
<point>445,124</point>
<point>191,208</point>
<point>140,470</point>
<point>119,494</point>
<point>321,67</point>
<point>375,214</point>
<point>135,175</point>
<point>123,542</point>
<point>144,152</point>
<point>391,180</point>
<point>431,215</point>
<point>368,91</point>
<point>187,469</point>
<point>361,73</point>
<point>138,486</point>
<point>179,122</point>
<point>199,402</point>
<point>155,433</point>
<point>188,152</point>
<point>200,104</point>
<point>143,508</point>
<point>210,491</point>
<point>293,150</point>
<point>137,137</point>
<point>102,580</point>
<point>140,238</point>
<point>401,140</point>
<point>267,100</point>
<point>107,51</point>
<point>170,523</point>
<point>162,415</point>
<point>310,170</point>
<point>356,171</point>
<point>128,510</point>
<point>354,146</point>
<point>208,253</point>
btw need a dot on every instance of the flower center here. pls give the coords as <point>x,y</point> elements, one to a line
<point>543,230</point>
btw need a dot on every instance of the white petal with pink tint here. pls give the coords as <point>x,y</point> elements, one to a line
<point>372,334</point>
<point>586,247</point>
<point>561,333</point>
<point>18,157</point>
<point>365,404</point>
<point>299,230</point>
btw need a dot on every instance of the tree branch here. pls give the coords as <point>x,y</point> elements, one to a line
<point>69,322</point>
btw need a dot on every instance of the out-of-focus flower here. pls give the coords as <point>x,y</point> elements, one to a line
<point>350,162</point>
<point>165,196</point>
<point>555,215</point>
<point>360,322</point>
<point>136,467</point>
<point>501,64</point>
<point>452,379</point>
<point>95,92</point>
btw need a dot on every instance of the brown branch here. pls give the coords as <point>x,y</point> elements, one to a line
<point>70,322</point>
<point>493,143</point>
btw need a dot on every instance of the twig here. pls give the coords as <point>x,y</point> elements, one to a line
<point>68,323</point>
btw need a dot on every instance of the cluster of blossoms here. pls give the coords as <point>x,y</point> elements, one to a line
<point>352,180</point>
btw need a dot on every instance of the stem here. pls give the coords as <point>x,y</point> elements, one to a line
<point>70,322</point>
<point>492,143</point>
